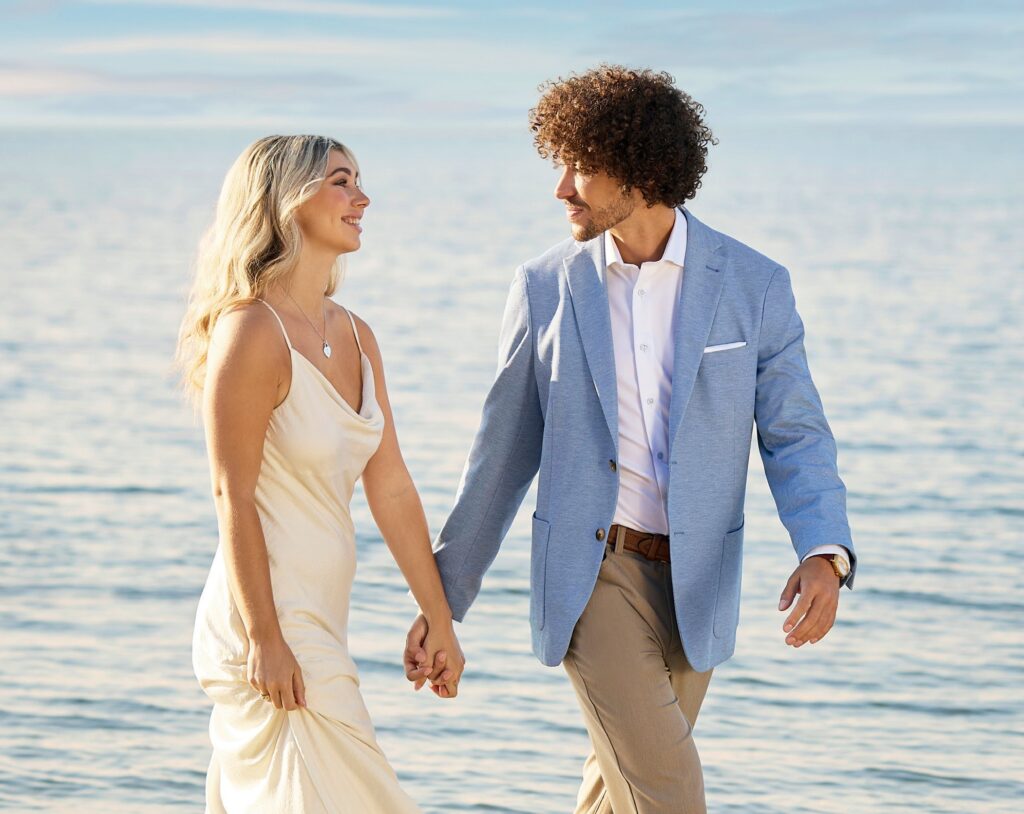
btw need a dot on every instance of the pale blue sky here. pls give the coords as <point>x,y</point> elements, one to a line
<point>310,64</point>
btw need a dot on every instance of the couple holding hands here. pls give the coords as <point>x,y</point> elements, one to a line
<point>634,361</point>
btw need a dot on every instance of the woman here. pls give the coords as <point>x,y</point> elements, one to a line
<point>295,410</point>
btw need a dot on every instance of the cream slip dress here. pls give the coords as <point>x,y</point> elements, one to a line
<point>323,758</point>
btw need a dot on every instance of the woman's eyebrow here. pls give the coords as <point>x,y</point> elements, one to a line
<point>339,169</point>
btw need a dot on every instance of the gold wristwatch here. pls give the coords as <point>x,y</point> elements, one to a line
<point>840,566</point>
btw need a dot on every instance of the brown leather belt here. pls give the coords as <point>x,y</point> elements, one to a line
<point>652,546</point>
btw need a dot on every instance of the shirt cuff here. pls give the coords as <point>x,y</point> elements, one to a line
<point>829,549</point>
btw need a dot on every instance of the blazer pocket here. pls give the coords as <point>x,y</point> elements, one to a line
<point>538,569</point>
<point>726,346</point>
<point>727,603</point>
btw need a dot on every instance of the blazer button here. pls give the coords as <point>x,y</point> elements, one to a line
<point>600,534</point>
<point>612,466</point>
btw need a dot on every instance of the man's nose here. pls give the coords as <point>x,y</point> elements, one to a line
<point>566,186</point>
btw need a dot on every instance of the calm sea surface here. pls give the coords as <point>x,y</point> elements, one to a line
<point>908,279</point>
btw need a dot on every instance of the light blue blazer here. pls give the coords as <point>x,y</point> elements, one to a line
<point>553,409</point>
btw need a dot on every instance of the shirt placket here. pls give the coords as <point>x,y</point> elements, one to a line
<point>646,363</point>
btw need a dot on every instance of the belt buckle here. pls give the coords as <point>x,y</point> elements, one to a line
<point>647,547</point>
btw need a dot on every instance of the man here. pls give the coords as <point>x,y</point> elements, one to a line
<point>635,360</point>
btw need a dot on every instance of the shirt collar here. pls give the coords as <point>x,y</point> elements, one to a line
<point>675,249</point>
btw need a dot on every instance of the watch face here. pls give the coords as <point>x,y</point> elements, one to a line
<point>841,566</point>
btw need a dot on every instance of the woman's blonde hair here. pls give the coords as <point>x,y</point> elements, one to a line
<point>254,240</point>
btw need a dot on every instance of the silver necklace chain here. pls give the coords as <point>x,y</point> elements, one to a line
<point>326,347</point>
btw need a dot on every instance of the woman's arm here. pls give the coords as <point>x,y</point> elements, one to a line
<point>247,376</point>
<point>398,512</point>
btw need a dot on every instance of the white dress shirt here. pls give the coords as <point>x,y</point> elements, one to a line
<point>642,303</point>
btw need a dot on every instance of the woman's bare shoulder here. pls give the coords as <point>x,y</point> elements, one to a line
<point>249,333</point>
<point>366,335</point>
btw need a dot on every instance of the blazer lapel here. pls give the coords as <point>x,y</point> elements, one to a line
<point>698,301</point>
<point>585,272</point>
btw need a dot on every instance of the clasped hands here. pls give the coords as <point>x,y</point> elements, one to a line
<point>433,653</point>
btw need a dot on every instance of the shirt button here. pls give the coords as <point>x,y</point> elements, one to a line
<point>643,347</point>
<point>650,401</point>
<point>612,466</point>
<point>661,456</point>
<point>641,291</point>
<point>599,534</point>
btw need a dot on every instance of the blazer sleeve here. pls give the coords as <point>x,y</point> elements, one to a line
<point>793,436</point>
<point>502,463</point>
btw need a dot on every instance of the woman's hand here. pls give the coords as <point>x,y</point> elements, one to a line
<point>445,653</point>
<point>275,674</point>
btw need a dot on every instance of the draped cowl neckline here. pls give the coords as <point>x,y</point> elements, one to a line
<point>367,398</point>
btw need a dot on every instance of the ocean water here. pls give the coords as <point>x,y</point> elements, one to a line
<point>907,276</point>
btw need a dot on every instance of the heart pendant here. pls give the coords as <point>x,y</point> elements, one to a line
<point>327,350</point>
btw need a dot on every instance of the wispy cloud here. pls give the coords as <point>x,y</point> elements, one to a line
<point>34,81</point>
<point>284,100</point>
<point>298,7</point>
<point>394,57</point>
<point>940,35</point>
<point>223,44</point>
<point>868,61</point>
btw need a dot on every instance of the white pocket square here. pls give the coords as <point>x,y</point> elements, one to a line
<point>727,346</point>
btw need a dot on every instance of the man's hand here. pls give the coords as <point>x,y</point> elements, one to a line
<point>815,612</point>
<point>417,668</point>
<point>444,650</point>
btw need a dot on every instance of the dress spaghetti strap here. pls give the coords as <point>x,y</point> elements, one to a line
<point>279,322</point>
<point>354,330</point>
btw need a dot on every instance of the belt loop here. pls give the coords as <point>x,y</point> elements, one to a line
<point>620,538</point>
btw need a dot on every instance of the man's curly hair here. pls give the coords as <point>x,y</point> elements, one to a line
<point>634,125</point>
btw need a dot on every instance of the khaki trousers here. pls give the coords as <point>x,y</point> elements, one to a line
<point>639,695</point>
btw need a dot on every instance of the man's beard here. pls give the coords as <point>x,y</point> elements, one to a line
<point>601,220</point>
